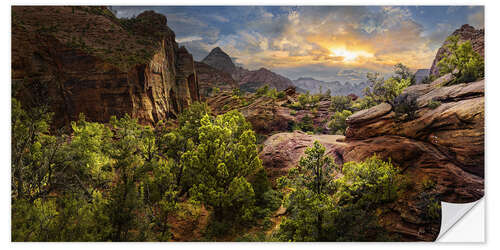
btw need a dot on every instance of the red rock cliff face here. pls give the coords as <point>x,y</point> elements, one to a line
<point>95,64</point>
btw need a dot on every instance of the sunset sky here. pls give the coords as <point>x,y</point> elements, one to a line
<point>326,43</point>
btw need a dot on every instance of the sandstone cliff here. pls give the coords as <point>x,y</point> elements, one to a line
<point>93,63</point>
<point>466,33</point>
<point>444,145</point>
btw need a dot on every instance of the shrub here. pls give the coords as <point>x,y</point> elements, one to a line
<point>338,123</point>
<point>340,103</point>
<point>405,107</point>
<point>462,61</point>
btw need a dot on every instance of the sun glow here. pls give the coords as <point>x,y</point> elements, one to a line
<point>349,56</point>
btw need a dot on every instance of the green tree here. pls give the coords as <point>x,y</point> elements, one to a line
<point>310,198</point>
<point>462,61</point>
<point>401,71</point>
<point>338,123</point>
<point>340,103</point>
<point>219,165</point>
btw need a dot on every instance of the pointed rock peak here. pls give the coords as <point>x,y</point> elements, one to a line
<point>217,49</point>
<point>219,60</point>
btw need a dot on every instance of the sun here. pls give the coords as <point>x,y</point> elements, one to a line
<point>349,55</point>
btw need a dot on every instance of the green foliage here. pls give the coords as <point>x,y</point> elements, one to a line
<point>262,90</point>
<point>218,168</point>
<point>382,90</point>
<point>237,92</point>
<point>306,124</point>
<point>428,184</point>
<point>405,107</point>
<point>309,201</point>
<point>433,104</point>
<point>308,101</point>
<point>95,186</point>
<point>345,209</point>
<point>370,182</point>
<point>340,103</point>
<point>462,61</point>
<point>403,72</point>
<point>428,79</point>
<point>269,92</point>
<point>338,123</point>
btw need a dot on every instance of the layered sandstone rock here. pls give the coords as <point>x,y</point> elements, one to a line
<point>95,64</point>
<point>465,33</point>
<point>455,127</point>
<point>444,144</point>
<point>417,160</point>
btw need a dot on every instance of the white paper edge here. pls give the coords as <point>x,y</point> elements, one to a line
<point>462,222</point>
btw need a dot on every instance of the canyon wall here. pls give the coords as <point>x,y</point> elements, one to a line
<point>88,61</point>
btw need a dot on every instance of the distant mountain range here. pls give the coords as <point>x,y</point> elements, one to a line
<point>250,80</point>
<point>337,88</point>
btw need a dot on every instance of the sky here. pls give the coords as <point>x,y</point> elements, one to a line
<point>329,43</point>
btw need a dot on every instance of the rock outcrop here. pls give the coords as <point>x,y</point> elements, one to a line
<point>210,78</point>
<point>455,127</point>
<point>93,63</point>
<point>220,60</point>
<point>443,142</point>
<point>466,33</point>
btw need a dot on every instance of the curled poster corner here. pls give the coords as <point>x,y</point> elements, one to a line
<point>452,213</point>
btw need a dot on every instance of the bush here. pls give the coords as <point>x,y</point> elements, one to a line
<point>340,103</point>
<point>405,107</point>
<point>462,61</point>
<point>338,123</point>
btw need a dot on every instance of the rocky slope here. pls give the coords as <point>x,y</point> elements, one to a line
<point>337,88</point>
<point>210,78</point>
<point>445,145</point>
<point>248,80</point>
<point>268,115</point>
<point>466,33</point>
<point>254,79</point>
<point>220,60</point>
<point>93,63</point>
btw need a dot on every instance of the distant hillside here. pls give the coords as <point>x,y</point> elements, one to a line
<point>337,88</point>
<point>248,80</point>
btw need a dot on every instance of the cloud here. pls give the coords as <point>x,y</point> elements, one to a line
<point>188,39</point>
<point>220,18</point>
<point>324,42</point>
<point>476,19</point>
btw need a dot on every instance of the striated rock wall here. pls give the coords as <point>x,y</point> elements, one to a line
<point>466,33</point>
<point>114,67</point>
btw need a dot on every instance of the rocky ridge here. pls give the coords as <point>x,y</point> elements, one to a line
<point>93,63</point>
<point>248,80</point>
